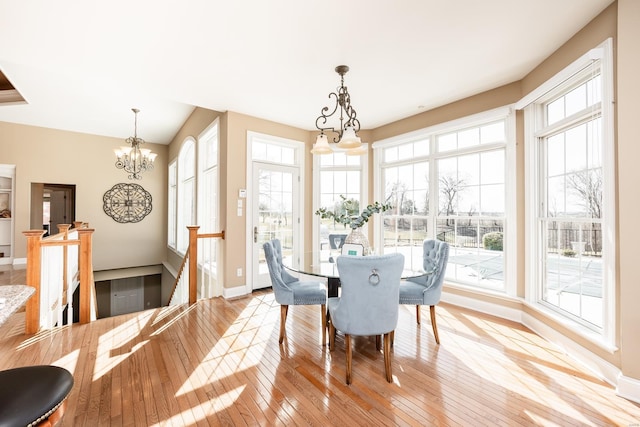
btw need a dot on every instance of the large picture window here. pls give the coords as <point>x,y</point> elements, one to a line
<point>449,184</point>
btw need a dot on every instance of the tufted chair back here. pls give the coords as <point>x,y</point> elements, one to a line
<point>435,255</point>
<point>280,277</point>
<point>368,304</point>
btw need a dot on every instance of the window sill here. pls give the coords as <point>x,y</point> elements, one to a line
<point>580,331</point>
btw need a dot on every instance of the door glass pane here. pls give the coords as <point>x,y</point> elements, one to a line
<point>275,217</point>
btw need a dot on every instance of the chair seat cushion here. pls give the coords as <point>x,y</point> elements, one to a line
<point>411,293</point>
<point>308,292</point>
<point>32,392</point>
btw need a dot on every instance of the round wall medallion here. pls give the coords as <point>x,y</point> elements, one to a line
<point>127,203</point>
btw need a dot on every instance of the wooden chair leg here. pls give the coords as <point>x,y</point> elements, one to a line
<point>392,336</point>
<point>332,336</point>
<point>283,320</point>
<point>433,323</point>
<point>418,314</point>
<point>387,357</point>
<point>323,309</point>
<point>378,346</point>
<point>347,344</point>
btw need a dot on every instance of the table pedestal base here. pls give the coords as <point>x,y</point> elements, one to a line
<point>333,283</point>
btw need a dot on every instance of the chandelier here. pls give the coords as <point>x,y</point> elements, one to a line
<point>346,139</point>
<point>134,159</point>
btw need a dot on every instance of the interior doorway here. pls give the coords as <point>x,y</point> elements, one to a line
<point>51,205</point>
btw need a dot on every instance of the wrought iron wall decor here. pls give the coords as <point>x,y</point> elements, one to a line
<point>127,203</point>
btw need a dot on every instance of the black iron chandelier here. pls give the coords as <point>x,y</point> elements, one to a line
<point>347,139</point>
<point>134,159</point>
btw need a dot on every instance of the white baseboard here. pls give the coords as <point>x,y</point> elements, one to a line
<point>629,388</point>
<point>483,306</point>
<point>19,261</point>
<point>235,292</point>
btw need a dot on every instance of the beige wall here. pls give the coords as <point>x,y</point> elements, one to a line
<point>87,161</point>
<point>628,94</point>
<point>233,147</point>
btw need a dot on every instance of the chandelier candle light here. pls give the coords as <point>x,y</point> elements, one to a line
<point>134,159</point>
<point>347,139</point>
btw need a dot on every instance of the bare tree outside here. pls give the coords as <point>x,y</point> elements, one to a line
<point>396,195</point>
<point>450,186</point>
<point>587,185</point>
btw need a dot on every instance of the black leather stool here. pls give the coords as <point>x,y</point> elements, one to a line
<point>33,395</point>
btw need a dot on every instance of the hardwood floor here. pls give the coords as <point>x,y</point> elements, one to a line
<point>10,275</point>
<point>219,363</point>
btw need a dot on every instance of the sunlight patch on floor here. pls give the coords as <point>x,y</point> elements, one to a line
<point>229,354</point>
<point>204,411</point>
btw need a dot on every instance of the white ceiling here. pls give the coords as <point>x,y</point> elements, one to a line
<point>82,65</point>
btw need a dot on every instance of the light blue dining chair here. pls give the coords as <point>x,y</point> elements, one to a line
<point>427,289</point>
<point>368,303</point>
<point>289,290</point>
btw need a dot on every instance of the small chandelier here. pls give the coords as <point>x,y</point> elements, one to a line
<point>346,140</point>
<point>134,159</point>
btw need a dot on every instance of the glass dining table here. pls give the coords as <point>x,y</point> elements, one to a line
<point>321,264</point>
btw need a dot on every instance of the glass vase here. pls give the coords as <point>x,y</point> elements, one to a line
<point>359,238</point>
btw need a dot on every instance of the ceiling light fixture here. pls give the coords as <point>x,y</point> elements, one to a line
<point>134,159</point>
<point>347,139</point>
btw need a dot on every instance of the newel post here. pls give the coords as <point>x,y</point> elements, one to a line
<point>85,267</point>
<point>193,263</point>
<point>34,256</point>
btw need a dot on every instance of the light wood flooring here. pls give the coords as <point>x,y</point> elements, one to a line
<point>219,363</point>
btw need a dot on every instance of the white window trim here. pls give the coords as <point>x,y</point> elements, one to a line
<point>506,113</point>
<point>533,121</point>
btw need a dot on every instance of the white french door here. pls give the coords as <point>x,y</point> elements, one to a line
<point>275,214</point>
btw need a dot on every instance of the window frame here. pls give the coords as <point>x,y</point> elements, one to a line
<point>317,168</point>
<point>534,120</point>
<point>505,113</point>
<point>172,204</point>
<point>181,221</point>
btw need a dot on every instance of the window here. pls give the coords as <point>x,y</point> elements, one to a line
<point>208,180</point>
<point>449,183</point>
<point>406,178</point>
<point>571,195</point>
<point>471,215</point>
<point>186,193</point>
<point>338,176</point>
<point>208,211</point>
<point>172,202</point>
